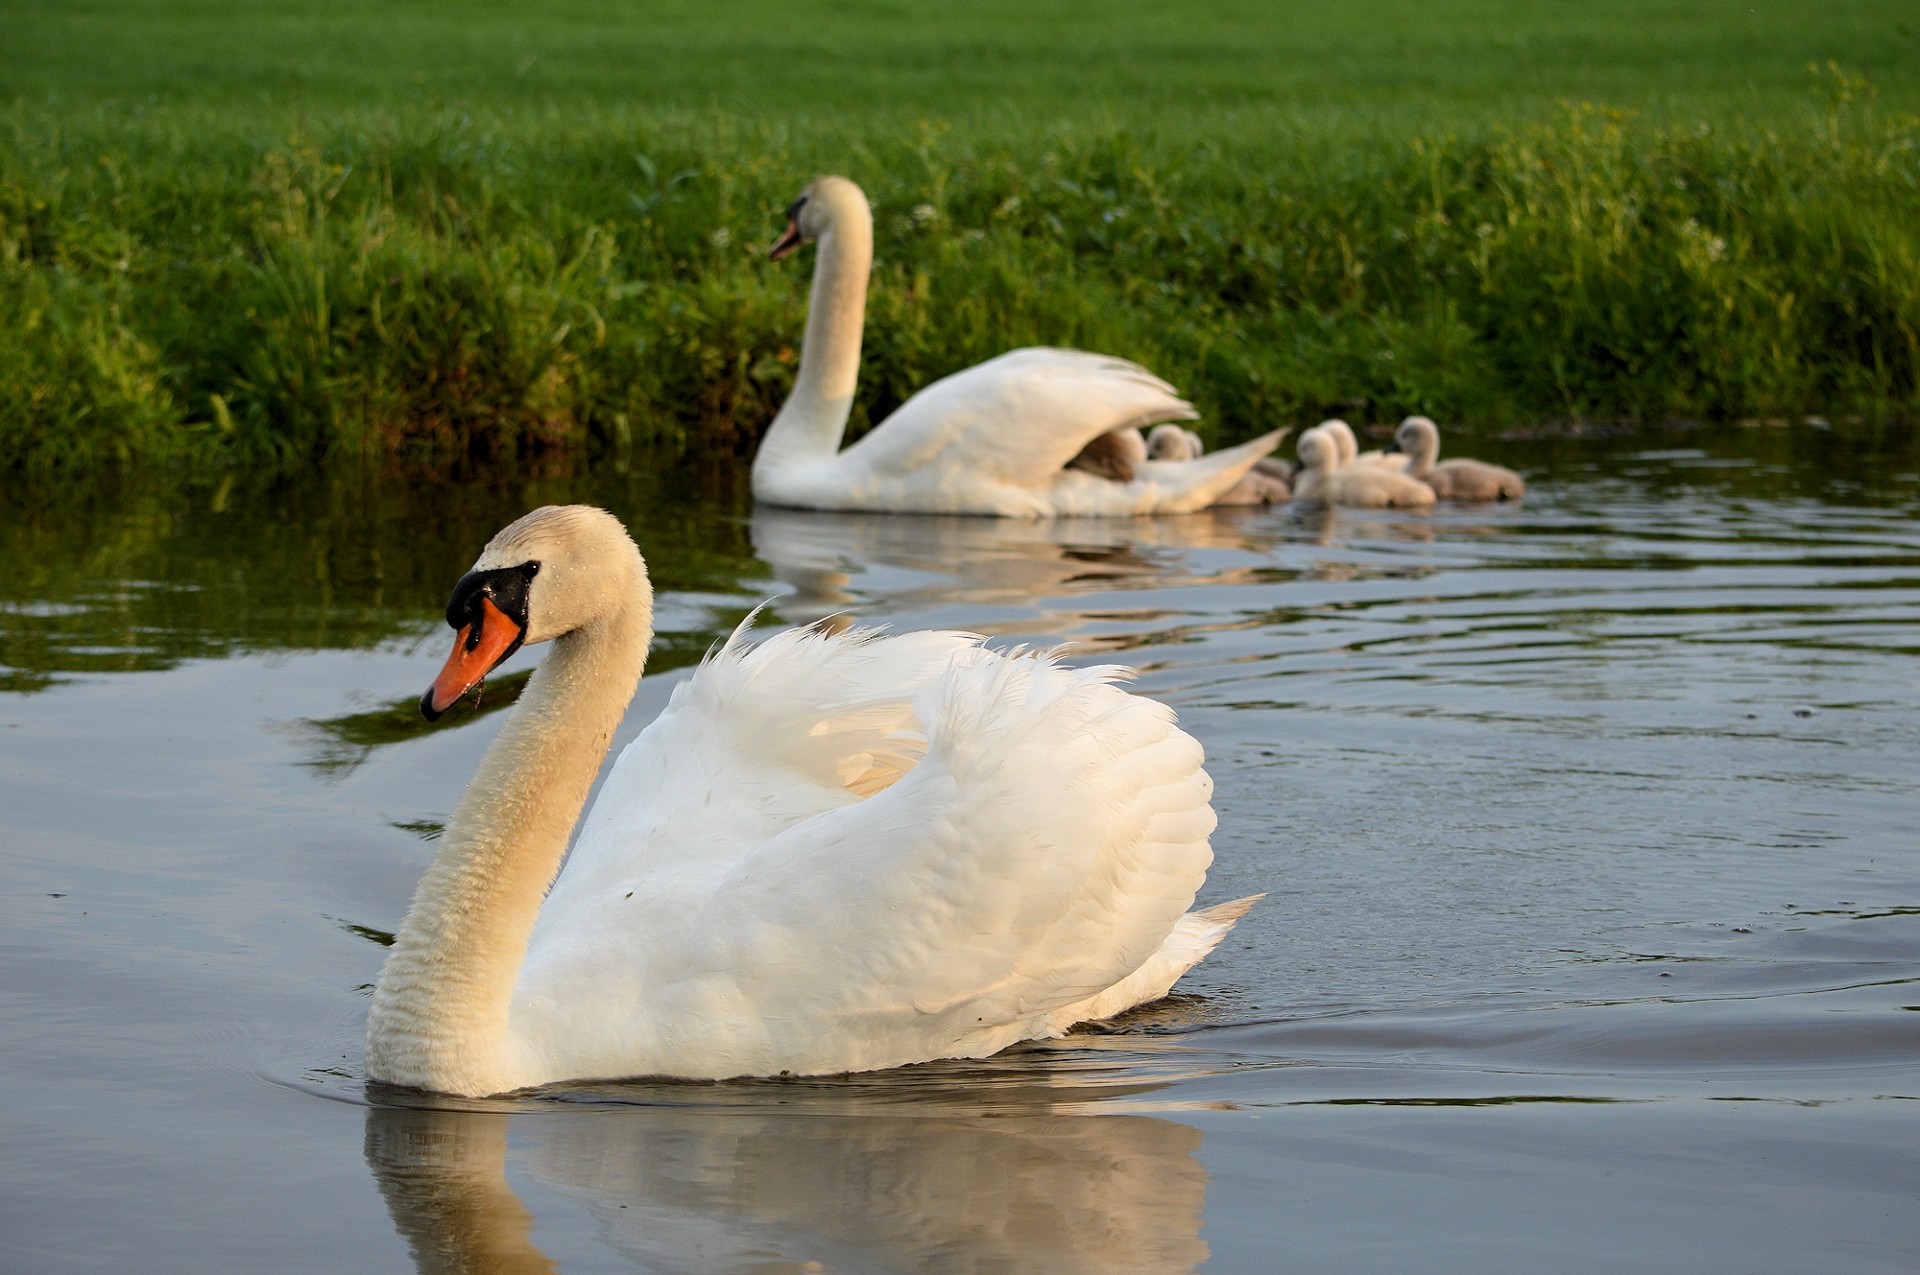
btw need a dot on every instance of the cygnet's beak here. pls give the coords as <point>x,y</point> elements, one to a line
<point>1392,449</point>
<point>477,650</point>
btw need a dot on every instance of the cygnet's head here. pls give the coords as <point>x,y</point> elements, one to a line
<point>1317,449</point>
<point>555,570</point>
<point>1417,436</point>
<point>1174,442</point>
<point>825,203</point>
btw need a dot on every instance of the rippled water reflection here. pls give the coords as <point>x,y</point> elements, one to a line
<point>1588,828</point>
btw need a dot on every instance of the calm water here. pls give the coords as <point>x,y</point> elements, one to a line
<point>1590,831</point>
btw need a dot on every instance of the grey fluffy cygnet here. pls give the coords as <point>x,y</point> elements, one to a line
<point>1419,439</point>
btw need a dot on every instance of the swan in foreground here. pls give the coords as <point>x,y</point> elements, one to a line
<point>828,854</point>
<point>1324,480</point>
<point>996,438</point>
<point>1419,439</point>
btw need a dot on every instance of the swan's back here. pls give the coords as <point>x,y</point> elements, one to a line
<point>850,852</point>
<point>1019,417</point>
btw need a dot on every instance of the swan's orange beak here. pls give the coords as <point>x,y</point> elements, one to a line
<point>476,650</point>
<point>786,243</point>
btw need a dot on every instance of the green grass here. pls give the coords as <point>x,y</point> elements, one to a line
<point>888,60</point>
<point>460,235</point>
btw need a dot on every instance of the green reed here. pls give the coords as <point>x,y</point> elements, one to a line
<point>436,289</point>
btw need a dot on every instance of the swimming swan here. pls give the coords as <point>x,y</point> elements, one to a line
<point>1461,479</point>
<point>1322,480</point>
<point>828,854</point>
<point>996,438</point>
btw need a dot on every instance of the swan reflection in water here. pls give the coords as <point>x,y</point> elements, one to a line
<point>685,1189</point>
<point>927,562</point>
<point>1016,576</point>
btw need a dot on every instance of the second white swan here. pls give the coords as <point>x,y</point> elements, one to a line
<point>996,438</point>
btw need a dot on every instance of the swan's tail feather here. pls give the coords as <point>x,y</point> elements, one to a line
<point>1187,485</point>
<point>1199,932</point>
<point>1194,936</point>
<point>1225,914</point>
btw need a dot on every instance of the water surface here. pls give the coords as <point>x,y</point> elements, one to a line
<point>1588,830</point>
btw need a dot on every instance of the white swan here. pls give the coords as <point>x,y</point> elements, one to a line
<point>1461,479</point>
<point>992,439</point>
<point>828,854</point>
<point>1322,480</point>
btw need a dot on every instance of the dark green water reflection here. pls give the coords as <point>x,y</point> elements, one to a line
<point>139,572</point>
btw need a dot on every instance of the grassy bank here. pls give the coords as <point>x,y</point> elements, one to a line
<point>348,262</point>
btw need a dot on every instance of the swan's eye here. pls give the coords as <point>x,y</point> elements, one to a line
<point>530,569</point>
<point>793,209</point>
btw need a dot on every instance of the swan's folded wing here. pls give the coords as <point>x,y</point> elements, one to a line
<point>761,737</point>
<point>1019,417</point>
<point>1041,852</point>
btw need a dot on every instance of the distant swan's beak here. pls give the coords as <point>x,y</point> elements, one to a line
<point>787,242</point>
<point>477,651</point>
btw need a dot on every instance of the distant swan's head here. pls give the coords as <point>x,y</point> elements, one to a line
<point>1173,442</point>
<point>824,203</point>
<point>556,570</point>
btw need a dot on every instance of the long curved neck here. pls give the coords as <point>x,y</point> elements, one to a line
<point>439,1018</point>
<point>813,420</point>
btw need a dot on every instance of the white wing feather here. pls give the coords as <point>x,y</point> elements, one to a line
<point>1018,418</point>
<point>844,853</point>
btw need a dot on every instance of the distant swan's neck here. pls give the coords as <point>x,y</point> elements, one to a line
<point>814,418</point>
<point>439,1018</point>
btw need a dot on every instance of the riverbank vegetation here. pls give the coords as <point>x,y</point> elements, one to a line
<point>287,251</point>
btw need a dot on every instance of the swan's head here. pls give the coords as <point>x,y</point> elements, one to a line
<point>1417,437</point>
<point>1174,442</point>
<point>1318,449</point>
<point>558,569</point>
<point>824,202</point>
